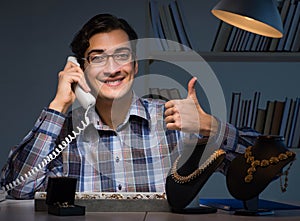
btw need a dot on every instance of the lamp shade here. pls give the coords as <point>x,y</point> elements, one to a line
<point>258,16</point>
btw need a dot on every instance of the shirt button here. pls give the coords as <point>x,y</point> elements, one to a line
<point>119,187</point>
<point>117,159</point>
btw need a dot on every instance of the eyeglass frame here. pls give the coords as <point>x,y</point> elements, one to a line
<point>107,56</point>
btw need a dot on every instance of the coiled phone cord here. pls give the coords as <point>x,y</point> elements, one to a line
<point>55,153</point>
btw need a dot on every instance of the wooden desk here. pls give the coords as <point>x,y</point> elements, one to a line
<point>23,210</point>
<point>18,210</point>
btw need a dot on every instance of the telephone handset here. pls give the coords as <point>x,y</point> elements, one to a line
<point>84,98</point>
<point>87,100</point>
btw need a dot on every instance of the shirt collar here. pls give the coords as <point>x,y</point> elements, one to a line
<point>137,108</point>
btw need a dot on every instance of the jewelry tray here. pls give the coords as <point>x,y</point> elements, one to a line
<point>113,202</point>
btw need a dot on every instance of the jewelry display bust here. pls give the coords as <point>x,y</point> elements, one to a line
<point>249,174</point>
<point>187,178</point>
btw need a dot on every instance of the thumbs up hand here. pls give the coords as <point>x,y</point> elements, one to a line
<point>188,116</point>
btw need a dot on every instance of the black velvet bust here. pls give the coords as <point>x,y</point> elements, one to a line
<point>264,148</point>
<point>179,195</point>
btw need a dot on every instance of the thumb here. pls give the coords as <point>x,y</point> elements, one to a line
<point>191,88</point>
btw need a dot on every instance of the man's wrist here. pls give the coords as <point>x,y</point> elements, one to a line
<point>210,126</point>
<point>214,126</point>
<point>54,105</point>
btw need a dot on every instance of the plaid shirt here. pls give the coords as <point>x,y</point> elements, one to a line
<point>135,157</point>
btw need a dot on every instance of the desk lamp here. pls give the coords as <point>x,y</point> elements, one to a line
<point>258,16</point>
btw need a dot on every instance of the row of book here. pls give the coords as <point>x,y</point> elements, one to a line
<point>278,117</point>
<point>170,26</point>
<point>164,93</point>
<point>233,39</point>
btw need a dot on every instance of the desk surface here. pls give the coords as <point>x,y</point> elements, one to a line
<point>16,210</point>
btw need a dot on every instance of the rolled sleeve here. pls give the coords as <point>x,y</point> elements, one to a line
<point>233,141</point>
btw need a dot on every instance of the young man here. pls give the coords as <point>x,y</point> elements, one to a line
<point>130,143</point>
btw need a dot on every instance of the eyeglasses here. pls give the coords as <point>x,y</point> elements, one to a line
<point>101,59</point>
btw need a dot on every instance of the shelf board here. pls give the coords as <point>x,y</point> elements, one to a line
<point>252,56</point>
<point>227,56</point>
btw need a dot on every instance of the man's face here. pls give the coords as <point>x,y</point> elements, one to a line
<point>110,70</point>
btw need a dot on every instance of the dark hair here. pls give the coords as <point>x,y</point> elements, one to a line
<point>100,23</point>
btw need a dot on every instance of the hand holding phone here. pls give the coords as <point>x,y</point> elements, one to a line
<point>85,99</point>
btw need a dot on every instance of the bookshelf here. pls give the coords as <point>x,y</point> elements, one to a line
<point>274,117</point>
<point>229,56</point>
<point>223,54</point>
<point>218,55</point>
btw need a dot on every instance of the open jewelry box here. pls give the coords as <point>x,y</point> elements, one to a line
<point>112,201</point>
<point>61,197</point>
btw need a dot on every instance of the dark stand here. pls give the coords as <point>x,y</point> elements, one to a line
<point>251,209</point>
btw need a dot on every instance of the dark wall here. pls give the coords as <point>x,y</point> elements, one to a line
<point>34,41</point>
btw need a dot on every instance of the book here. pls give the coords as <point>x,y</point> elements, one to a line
<point>260,120</point>
<point>260,43</point>
<point>178,25</point>
<point>166,27</point>
<point>174,93</point>
<point>171,25</point>
<point>245,41</point>
<point>234,108</point>
<point>286,25</point>
<point>296,42</point>
<point>289,121</point>
<point>285,115</point>
<point>245,113</point>
<point>283,12</point>
<point>154,93</point>
<point>242,114</point>
<point>222,36</point>
<point>256,100</point>
<point>248,113</point>
<point>164,94</point>
<point>255,42</point>
<point>277,117</point>
<point>249,42</point>
<point>294,23</point>
<point>180,8</point>
<point>293,123</point>
<point>269,117</point>
<point>296,135</point>
<point>231,38</point>
<point>241,40</point>
<point>265,44</point>
<point>236,40</point>
<point>156,25</point>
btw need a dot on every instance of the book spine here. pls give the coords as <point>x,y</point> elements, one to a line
<point>283,13</point>
<point>293,123</point>
<point>179,28</point>
<point>222,36</point>
<point>293,28</point>
<point>286,26</point>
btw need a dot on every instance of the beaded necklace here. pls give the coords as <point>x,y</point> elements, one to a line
<point>185,179</point>
<point>254,163</point>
